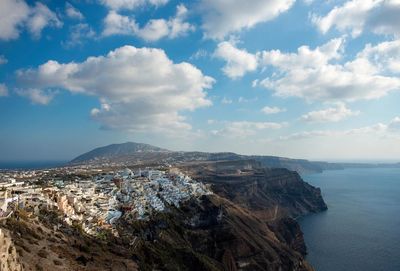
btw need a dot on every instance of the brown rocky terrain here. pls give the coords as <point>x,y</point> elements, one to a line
<point>247,224</point>
<point>45,243</point>
<point>211,234</point>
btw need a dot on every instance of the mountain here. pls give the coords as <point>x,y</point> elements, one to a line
<point>115,151</point>
<point>131,153</point>
<point>137,153</point>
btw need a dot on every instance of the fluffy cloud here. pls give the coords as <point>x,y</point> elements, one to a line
<point>13,14</point>
<point>116,24</point>
<point>318,75</point>
<point>140,89</point>
<point>154,29</point>
<point>379,16</point>
<point>37,96</point>
<point>385,56</point>
<point>332,114</point>
<point>272,110</point>
<point>41,17</point>
<point>238,61</point>
<point>16,14</point>
<point>221,18</point>
<point>131,4</point>
<point>243,129</point>
<point>72,12</point>
<point>3,90</point>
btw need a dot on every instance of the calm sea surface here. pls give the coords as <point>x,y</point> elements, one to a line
<point>361,229</point>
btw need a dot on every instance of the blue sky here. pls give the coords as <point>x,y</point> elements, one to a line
<point>302,79</point>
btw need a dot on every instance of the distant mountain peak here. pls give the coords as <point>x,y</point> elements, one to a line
<point>117,150</point>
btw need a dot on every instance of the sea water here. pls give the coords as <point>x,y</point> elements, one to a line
<point>361,229</point>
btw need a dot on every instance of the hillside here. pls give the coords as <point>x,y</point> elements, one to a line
<point>114,151</point>
<point>131,153</point>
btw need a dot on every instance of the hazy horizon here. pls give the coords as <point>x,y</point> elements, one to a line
<point>336,160</point>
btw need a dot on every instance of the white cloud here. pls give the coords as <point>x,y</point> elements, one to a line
<point>238,61</point>
<point>272,110</point>
<point>140,89</point>
<point>3,60</point>
<point>13,14</point>
<point>153,30</point>
<point>3,90</point>
<point>221,18</point>
<point>78,34</point>
<point>37,96</point>
<point>243,129</point>
<point>385,56</point>
<point>41,17</point>
<point>317,75</point>
<point>73,12</point>
<point>16,15</point>
<point>116,24</point>
<point>378,16</point>
<point>332,114</point>
<point>178,27</point>
<point>131,4</point>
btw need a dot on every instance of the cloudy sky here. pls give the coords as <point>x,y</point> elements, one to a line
<point>302,79</point>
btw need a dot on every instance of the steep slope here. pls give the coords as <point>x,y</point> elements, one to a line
<point>211,234</point>
<point>270,193</point>
<point>247,225</point>
<point>46,243</point>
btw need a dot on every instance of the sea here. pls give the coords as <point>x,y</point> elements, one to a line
<point>27,165</point>
<point>360,231</point>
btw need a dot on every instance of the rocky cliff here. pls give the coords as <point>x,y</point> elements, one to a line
<point>45,243</point>
<point>247,225</point>
<point>269,193</point>
<point>211,234</point>
<point>9,258</point>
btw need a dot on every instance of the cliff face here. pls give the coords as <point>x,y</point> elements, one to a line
<point>9,260</point>
<point>271,194</point>
<point>211,234</point>
<point>46,243</point>
<point>247,225</point>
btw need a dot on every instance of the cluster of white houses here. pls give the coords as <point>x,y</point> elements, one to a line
<point>98,202</point>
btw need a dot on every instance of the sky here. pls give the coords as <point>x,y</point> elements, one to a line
<point>297,78</point>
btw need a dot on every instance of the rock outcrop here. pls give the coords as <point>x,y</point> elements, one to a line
<point>9,258</point>
<point>211,234</point>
